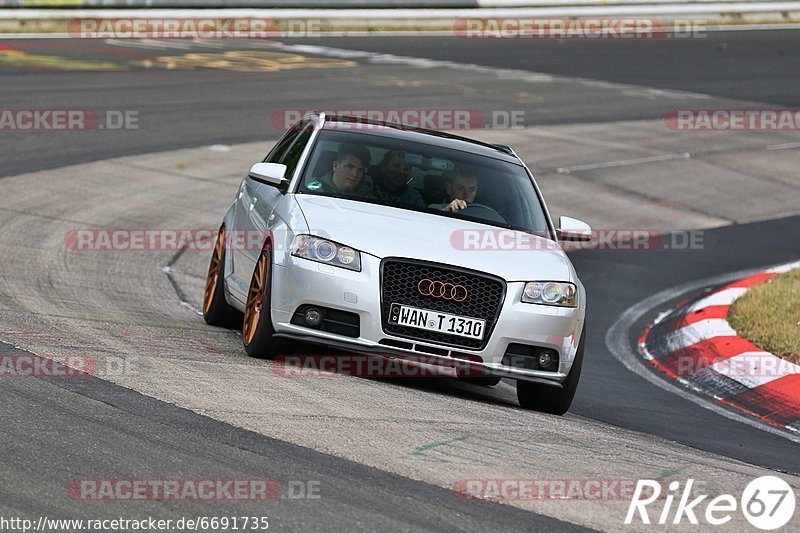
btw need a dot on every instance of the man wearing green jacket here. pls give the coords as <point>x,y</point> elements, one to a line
<point>347,175</point>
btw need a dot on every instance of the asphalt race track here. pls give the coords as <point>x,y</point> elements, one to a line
<point>385,453</point>
<point>192,108</point>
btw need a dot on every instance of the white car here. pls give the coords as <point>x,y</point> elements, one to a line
<point>378,238</point>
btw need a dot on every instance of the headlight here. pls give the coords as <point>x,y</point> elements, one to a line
<point>325,251</point>
<point>550,293</point>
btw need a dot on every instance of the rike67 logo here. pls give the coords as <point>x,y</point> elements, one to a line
<point>767,502</point>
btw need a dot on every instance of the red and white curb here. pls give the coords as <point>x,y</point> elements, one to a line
<point>696,346</point>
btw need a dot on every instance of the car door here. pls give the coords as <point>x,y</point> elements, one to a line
<point>241,236</point>
<point>264,197</point>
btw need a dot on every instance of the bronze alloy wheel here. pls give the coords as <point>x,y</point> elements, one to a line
<point>213,271</point>
<point>255,298</point>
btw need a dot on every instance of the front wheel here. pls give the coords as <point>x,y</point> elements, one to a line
<point>257,332</point>
<point>553,400</point>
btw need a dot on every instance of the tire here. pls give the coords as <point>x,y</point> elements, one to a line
<point>257,331</point>
<point>549,399</point>
<point>216,310</point>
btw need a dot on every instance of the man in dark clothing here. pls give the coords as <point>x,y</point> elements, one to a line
<point>391,181</point>
<point>461,189</point>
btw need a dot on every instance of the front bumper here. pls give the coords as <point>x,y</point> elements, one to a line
<point>302,281</point>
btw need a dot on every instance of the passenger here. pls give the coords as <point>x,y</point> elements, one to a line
<point>347,175</point>
<point>391,181</point>
<point>461,189</point>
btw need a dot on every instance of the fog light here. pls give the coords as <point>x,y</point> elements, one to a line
<point>313,317</point>
<point>547,360</point>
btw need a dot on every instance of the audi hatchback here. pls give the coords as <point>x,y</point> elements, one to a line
<point>383,239</point>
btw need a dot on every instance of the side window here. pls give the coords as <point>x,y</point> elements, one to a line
<point>292,155</point>
<point>279,150</point>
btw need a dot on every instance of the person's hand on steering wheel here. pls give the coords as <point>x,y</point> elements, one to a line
<point>455,206</point>
<point>482,211</point>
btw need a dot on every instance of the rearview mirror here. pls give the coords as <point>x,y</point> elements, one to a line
<point>427,163</point>
<point>572,229</point>
<point>270,173</point>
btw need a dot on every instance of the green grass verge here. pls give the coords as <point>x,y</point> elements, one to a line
<point>768,315</point>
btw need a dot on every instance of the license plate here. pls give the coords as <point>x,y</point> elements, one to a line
<point>415,317</point>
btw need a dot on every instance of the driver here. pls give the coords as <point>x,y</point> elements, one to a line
<point>461,188</point>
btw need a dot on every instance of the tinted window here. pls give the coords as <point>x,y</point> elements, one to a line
<point>279,150</point>
<point>292,155</point>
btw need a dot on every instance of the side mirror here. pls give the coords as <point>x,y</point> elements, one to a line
<point>271,174</point>
<point>572,229</point>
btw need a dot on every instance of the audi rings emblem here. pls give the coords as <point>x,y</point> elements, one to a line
<point>439,289</point>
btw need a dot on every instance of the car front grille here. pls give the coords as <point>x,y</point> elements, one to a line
<point>400,279</point>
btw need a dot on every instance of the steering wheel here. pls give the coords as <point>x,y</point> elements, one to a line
<point>482,211</point>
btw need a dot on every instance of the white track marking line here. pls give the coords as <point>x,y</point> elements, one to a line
<point>167,43</point>
<point>784,268</point>
<point>209,42</point>
<point>625,162</point>
<point>699,331</point>
<point>501,73</point>
<point>723,297</point>
<point>785,146</point>
<point>130,43</point>
<point>218,148</point>
<point>149,43</point>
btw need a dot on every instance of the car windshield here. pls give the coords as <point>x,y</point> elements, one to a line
<point>417,176</point>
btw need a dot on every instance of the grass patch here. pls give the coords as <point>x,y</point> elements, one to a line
<point>768,315</point>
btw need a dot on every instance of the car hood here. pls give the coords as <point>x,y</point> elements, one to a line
<point>385,231</point>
